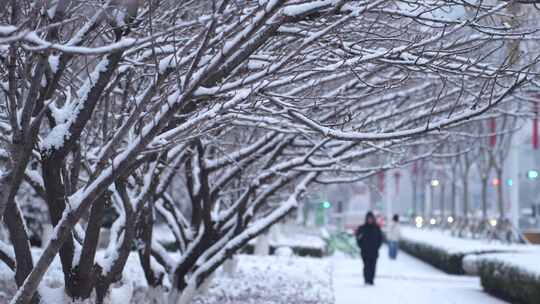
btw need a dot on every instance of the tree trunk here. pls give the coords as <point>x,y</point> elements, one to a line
<point>85,276</point>
<point>55,195</point>
<point>443,202</point>
<point>431,210</point>
<point>453,199</point>
<point>500,195</point>
<point>465,197</point>
<point>484,198</point>
<point>414,196</point>
<point>422,202</point>
<point>21,245</point>
<point>144,235</point>
<point>108,276</point>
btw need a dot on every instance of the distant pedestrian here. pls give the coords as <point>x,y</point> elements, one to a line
<point>369,238</point>
<point>392,236</point>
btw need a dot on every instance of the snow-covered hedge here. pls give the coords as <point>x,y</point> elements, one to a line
<point>447,252</point>
<point>514,277</point>
<point>439,258</point>
<point>301,243</point>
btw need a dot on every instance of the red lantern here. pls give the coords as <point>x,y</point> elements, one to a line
<point>493,131</point>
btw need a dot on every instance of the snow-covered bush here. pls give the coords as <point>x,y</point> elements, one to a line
<point>514,277</point>
<point>448,262</point>
<point>449,253</point>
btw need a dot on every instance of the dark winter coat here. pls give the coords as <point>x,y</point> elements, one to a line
<point>369,238</point>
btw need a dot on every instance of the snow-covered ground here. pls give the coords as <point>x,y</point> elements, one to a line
<point>404,281</point>
<point>451,244</point>
<point>335,280</point>
<point>273,280</point>
<point>257,280</point>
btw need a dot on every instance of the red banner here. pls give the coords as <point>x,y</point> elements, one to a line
<point>493,131</point>
<point>535,127</point>
<point>414,168</point>
<point>381,180</point>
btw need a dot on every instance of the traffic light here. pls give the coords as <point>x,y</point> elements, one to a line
<point>326,205</point>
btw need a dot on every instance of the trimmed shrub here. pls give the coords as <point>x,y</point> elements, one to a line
<point>509,282</point>
<point>451,263</point>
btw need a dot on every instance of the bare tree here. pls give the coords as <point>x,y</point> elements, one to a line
<point>107,101</point>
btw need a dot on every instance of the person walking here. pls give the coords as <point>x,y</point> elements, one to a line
<point>392,236</point>
<point>369,238</point>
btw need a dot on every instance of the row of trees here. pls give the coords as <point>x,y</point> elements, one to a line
<point>213,117</point>
<point>479,155</point>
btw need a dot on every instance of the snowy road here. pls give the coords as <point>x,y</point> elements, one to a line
<point>405,281</point>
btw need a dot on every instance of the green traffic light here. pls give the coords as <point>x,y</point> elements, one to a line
<point>326,205</point>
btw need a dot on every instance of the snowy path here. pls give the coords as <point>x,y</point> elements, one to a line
<point>404,281</point>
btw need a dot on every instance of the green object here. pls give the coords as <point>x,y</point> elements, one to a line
<point>344,243</point>
<point>320,213</point>
<point>319,217</point>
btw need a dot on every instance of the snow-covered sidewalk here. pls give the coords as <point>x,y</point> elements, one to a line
<point>404,281</point>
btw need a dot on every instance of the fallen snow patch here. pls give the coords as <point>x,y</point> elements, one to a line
<point>272,280</point>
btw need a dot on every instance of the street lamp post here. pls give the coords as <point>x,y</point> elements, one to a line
<point>434,184</point>
<point>514,188</point>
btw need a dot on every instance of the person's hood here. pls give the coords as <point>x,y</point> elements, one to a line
<point>372,216</point>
